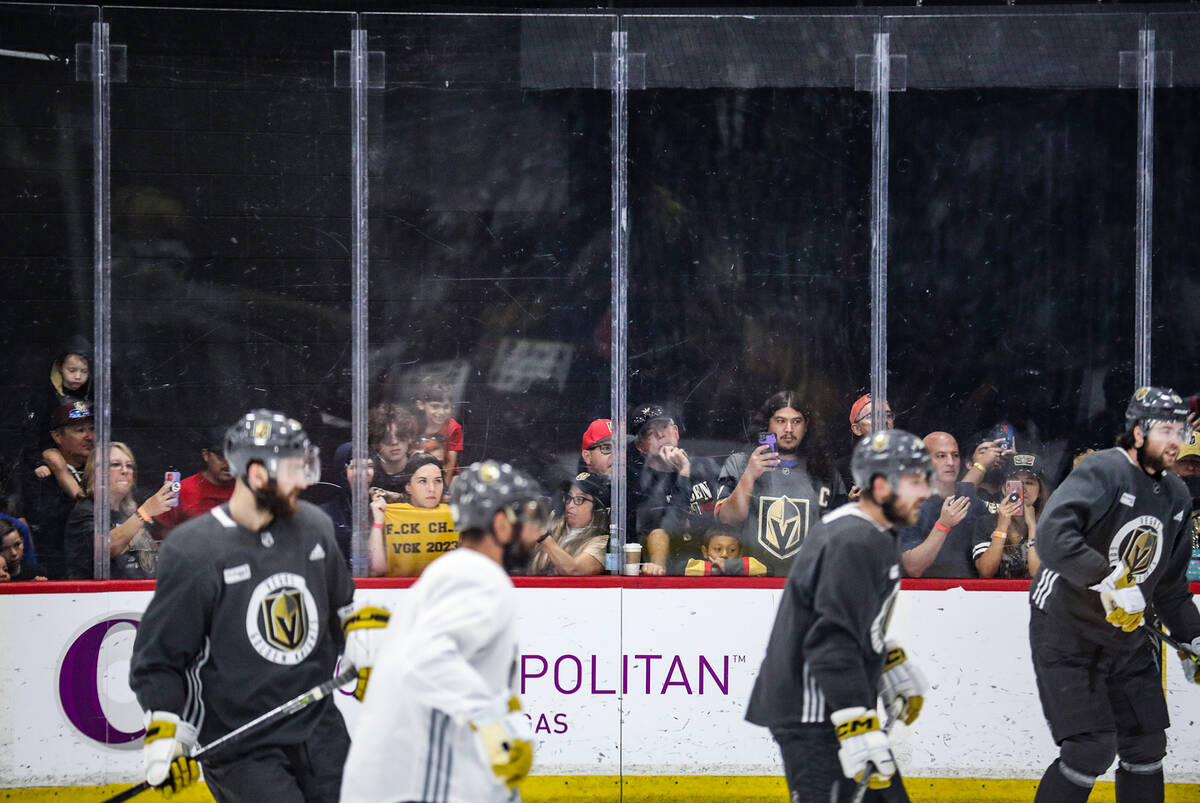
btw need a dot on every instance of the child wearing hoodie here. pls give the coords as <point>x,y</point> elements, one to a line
<point>70,378</point>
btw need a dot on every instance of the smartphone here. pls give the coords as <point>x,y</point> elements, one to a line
<point>1015,491</point>
<point>1005,432</point>
<point>173,477</point>
<point>768,439</point>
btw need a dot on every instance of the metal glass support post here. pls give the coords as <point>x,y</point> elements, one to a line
<point>102,295</point>
<point>620,284</point>
<point>880,86</point>
<point>359,290</point>
<point>1145,209</point>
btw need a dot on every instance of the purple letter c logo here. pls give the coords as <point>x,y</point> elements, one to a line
<point>93,683</point>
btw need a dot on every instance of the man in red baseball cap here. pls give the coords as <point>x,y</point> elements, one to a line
<point>860,425</point>
<point>597,447</point>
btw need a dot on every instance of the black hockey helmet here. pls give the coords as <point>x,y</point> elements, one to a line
<point>484,488</point>
<point>1154,404</point>
<point>269,437</point>
<point>890,452</point>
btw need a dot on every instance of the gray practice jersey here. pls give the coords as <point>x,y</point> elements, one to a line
<point>785,505</point>
<point>826,648</point>
<point>1109,511</point>
<point>242,621</point>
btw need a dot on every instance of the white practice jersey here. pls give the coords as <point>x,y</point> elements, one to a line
<point>450,661</point>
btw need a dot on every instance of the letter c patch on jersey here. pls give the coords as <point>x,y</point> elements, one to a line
<point>281,619</point>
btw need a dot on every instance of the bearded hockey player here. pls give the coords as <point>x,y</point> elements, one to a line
<point>441,722</point>
<point>249,612</point>
<point>827,659</point>
<point>1114,539</point>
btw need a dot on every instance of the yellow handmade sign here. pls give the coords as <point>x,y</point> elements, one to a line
<point>414,536</point>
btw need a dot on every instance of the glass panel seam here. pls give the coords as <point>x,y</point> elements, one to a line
<point>359,290</point>
<point>879,229</point>
<point>1145,208</point>
<point>102,297</point>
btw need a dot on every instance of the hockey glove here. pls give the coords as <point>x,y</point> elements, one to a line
<point>904,685</point>
<point>506,741</point>
<point>364,634</point>
<point>864,747</point>
<point>168,747</point>
<point>1191,661</point>
<point>1123,602</point>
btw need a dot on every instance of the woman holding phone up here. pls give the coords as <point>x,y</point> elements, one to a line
<point>1004,542</point>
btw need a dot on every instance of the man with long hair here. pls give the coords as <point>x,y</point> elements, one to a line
<point>778,488</point>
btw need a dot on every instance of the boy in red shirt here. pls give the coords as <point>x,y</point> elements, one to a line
<point>435,404</point>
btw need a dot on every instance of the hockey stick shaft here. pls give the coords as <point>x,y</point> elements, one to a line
<point>1172,642</point>
<point>860,788</point>
<point>292,706</point>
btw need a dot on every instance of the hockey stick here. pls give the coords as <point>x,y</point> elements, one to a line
<point>292,706</point>
<point>1170,641</point>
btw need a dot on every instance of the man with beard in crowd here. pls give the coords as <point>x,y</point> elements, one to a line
<point>779,489</point>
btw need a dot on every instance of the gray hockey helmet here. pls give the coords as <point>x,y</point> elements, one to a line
<point>269,437</point>
<point>1154,404</point>
<point>890,452</point>
<point>486,487</point>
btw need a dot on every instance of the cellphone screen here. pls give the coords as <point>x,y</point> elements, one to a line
<point>1014,487</point>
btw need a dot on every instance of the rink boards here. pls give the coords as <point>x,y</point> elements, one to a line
<point>620,676</point>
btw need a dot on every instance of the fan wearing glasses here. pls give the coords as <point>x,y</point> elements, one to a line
<point>596,451</point>
<point>860,424</point>
<point>575,543</point>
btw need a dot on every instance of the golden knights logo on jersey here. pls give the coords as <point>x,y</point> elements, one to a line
<point>285,622</point>
<point>782,525</point>
<point>281,619</point>
<point>1137,546</point>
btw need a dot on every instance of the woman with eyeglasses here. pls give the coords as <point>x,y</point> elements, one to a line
<point>133,553</point>
<point>575,543</point>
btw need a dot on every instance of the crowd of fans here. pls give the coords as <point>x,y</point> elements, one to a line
<point>746,515</point>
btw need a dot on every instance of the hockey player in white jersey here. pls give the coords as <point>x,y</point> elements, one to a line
<point>441,722</point>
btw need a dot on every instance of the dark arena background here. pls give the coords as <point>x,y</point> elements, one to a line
<point>986,213</point>
<point>1040,256</point>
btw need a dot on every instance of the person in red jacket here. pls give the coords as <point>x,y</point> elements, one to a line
<point>204,490</point>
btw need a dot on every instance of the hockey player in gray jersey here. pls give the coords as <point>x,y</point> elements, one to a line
<point>1114,542</point>
<point>441,722</point>
<point>248,612</point>
<point>828,660</point>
